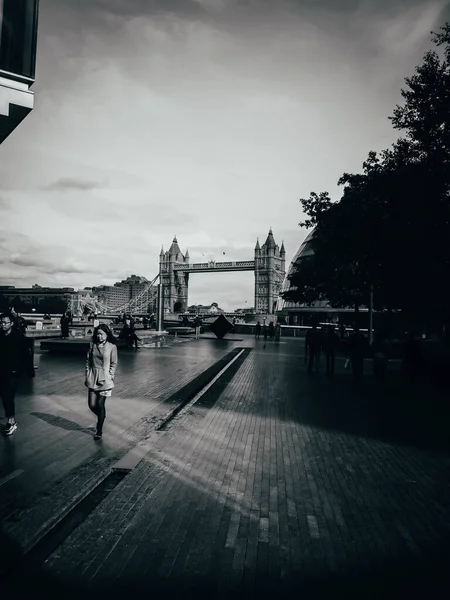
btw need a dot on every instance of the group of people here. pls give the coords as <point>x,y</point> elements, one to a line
<point>272,331</point>
<point>128,333</point>
<point>356,348</point>
<point>17,361</point>
<point>326,341</point>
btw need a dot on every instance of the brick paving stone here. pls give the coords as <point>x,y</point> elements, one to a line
<point>51,447</point>
<point>286,478</point>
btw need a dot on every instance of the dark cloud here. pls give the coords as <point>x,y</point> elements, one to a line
<point>45,266</point>
<point>68,183</point>
<point>18,251</point>
<point>94,12</point>
<point>136,8</point>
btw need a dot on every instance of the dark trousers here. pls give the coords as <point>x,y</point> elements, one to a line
<point>331,359</point>
<point>131,339</point>
<point>357,367</point>
<point>380,364</point>
<point>314,358</point>
<point>8,387</point>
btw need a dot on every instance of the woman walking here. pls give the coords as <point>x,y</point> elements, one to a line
<point>101,364</point>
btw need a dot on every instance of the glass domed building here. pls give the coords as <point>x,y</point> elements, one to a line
<point>303,314</point>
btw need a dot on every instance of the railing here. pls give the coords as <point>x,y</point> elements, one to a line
<point>18,38</point>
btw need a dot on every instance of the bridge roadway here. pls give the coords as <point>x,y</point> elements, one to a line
<point>274,480</point>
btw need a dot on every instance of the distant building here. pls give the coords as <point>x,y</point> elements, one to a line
<point>122,292</point>
<point>205,308</point>
<point>41,299</point>
<point>246,310</point>
<point>18,40</point>
<point>294,313</point>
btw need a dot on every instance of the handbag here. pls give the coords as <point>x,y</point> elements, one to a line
<point>89,381</point>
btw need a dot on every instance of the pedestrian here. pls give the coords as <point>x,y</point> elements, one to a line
<point>329,345</point>
<point>412,356</point>
<point>313,344</point>
<point>20,323</point>
<point>258,330</point>
<point>197,325</point>
<point>65,322</point>
<point>380,356</point>
<point>101,365</point>
<point>128,334</point>
<point>277,332</point>
<point>14,362</point>
<point>356,347</point>
<point>271,330</point>
<point>265,332</point>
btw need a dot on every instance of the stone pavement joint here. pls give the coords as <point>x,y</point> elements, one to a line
<point>28,519</point>
<point>281,483</point>
<point>183,397</point>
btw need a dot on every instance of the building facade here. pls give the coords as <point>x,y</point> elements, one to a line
<point>36,299</point>
<point>122,292</point>
<point>18,41</point>
<point>321,310</point>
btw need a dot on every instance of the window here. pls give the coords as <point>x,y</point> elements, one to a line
<point>18,36</point>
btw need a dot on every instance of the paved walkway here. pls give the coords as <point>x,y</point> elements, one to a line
<point>278,481</point>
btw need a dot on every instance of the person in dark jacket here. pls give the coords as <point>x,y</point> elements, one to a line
<point>412,356</point>
<point>20,323</point>
<point>65,322</point>
<point>313,345</point>
<point>380,356</point>
<point>128,334</point>
<point>258,329</point>
<point>277,331</point>
<point>14,358</point>
<point>356,347</point>
<point>329,344</point>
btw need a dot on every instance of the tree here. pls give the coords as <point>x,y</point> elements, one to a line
<point>390,229</point>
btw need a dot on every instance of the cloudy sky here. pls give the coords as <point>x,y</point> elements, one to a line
<point>204,119</point>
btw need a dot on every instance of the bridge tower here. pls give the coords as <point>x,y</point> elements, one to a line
<point>270,262</point>
<point>175,283</point>
<point>268,265</point>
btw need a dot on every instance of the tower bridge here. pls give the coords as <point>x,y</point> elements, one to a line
<point>268,265</point>
<point>175,267</point>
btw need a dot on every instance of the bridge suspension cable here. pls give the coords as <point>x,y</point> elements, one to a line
<point>137,304</point>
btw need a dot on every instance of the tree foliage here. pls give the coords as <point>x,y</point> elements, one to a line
<point>390,229</point>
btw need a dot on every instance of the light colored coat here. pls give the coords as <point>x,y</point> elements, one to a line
<point>101,365</point>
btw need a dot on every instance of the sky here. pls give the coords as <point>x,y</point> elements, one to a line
<point>204,119</point>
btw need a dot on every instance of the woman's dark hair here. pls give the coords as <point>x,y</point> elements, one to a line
<point>109,334</point>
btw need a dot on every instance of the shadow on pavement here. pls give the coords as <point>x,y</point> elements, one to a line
<point>428,577</point>
<point>392,411</point>
<point>60,422</point>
